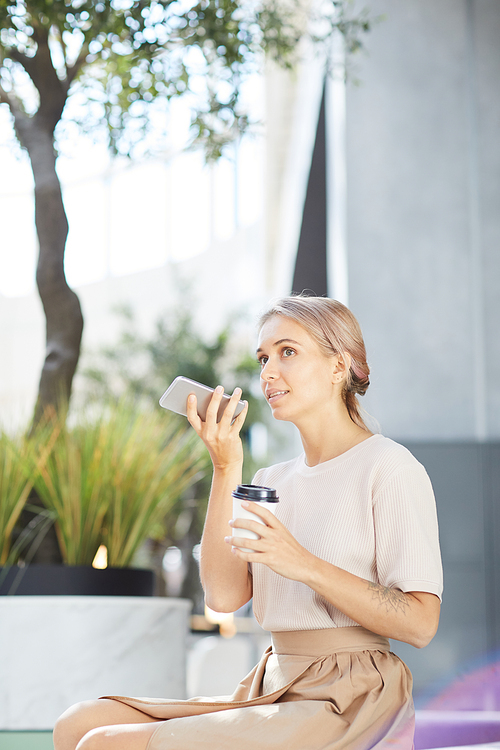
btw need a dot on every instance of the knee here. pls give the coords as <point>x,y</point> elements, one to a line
<point>93,740</point>
<point>72,725</point>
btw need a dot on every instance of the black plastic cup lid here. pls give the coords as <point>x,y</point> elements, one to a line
<point>255,493</point>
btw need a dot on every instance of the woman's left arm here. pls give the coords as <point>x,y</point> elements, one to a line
<point>411,617</point>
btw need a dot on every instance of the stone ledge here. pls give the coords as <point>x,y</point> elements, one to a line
<point>56,651</point>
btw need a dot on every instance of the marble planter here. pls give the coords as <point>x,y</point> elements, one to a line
<point>57,650</point>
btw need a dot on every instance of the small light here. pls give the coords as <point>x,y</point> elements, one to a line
<point>225,621</point>
<point>101,558</point>
<point>172,559</point>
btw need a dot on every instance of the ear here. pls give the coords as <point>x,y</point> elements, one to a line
<point>342,365</point>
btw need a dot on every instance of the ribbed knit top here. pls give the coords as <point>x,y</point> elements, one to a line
<point>370,511</point>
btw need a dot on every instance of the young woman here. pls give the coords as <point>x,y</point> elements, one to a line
<point>350,559</point>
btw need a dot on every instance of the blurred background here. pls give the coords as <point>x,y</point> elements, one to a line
<point>381,189</point>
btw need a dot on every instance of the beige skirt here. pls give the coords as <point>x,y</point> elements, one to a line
<point>333,689</point>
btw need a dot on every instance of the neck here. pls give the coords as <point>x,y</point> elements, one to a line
<point>330,436</point>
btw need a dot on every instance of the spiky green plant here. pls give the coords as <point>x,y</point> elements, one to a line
<point>19,457</point>
<point>15,486</point>
<point>111,480</point>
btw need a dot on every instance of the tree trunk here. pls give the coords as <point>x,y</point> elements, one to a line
<point>64,320</point>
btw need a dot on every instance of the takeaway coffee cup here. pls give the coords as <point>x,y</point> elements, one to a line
<point>266,496</point>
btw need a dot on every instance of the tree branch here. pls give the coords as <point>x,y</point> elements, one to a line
<point>73,70</point>
<point>28,63</point>
<point>17,112</point>
<point>4,97</point>
<point>53,91</point>
<point>63,46</point>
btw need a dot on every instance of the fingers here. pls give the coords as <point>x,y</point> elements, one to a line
<point>243,543</point>
<point>240,547</point>
<point>213,406</point>
<point>263,531</point>
<point>192,412</point>
<point>222,438</point>
<point>267,516</point>
<point>213,409</point>
<point>253,525</point>
<point>227,417</point>
<point>239,420</point>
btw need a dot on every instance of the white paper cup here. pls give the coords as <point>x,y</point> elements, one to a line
<point>243,513</point>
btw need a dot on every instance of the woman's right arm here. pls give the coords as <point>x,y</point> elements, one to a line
<point>226,580</point>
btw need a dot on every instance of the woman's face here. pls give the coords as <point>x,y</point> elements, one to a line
<point>296,377</point>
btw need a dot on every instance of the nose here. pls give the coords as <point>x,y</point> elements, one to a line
<point>268,372</point>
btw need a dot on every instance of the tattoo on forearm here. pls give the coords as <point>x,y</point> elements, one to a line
<point>392,599</point>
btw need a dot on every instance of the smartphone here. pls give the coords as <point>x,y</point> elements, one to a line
<point>175,398</point>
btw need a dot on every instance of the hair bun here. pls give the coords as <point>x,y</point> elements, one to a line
<point>359,386</point>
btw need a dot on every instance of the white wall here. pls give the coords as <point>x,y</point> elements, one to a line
<point>423,193</point>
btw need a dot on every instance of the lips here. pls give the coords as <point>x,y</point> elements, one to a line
<point>273,395</point>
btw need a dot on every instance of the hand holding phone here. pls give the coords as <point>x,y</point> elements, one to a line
<point>175,398</point>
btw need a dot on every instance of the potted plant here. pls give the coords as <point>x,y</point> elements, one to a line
<point>105,482</point>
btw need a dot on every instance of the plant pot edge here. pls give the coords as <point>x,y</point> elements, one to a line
<point>76,580</point>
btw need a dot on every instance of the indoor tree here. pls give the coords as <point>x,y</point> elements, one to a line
<point>103,65</point>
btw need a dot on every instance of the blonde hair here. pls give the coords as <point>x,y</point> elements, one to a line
<point>336,331</point>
